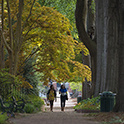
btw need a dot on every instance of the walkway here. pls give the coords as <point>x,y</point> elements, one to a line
<point>56,117</point>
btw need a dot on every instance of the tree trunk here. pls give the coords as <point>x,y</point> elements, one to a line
<point>107,46</point>
<point>86,86</point>
<point>120,94</point>
<point>11,40</point>
<point>15,43</point>
<point>2,63</point>
<point>18,39</point>
<point>80,15</point>
<point>93,68</point>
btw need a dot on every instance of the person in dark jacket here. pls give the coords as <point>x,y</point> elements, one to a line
<point>51,96</point>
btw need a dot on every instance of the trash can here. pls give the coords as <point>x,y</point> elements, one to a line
<point>107,101</point>
<point>79,98</point>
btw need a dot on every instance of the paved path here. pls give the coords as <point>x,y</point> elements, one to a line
<point>56,117</point>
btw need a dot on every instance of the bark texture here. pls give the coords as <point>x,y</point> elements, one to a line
<point>16,41</point>
<point>2,63</point>
<point>110,46</point>
<point>80,16</point>
<point>120,95</point>
<point>86,86</point>
<point>107,45</point>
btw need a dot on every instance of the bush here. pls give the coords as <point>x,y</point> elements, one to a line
<point>89,104</point>
<point>3,118</point>
<point>29,108</point>
<point>36,104</point>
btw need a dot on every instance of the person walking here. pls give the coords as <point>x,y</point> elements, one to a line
<point>63,97</point>
<point>51,96</point>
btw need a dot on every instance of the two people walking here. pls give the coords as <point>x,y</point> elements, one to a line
<point>51,96</point>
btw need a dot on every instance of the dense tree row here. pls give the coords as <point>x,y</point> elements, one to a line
<point>106,49</point>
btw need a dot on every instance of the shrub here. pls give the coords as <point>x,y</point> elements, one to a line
<point>3,118</point>
<point>29,108</point>
<point>35,103</point>
<point>89,104</point>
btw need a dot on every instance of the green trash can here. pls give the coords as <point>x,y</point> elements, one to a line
<point>79,98</point>
<point>107,101</point>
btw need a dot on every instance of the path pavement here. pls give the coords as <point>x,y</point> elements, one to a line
<point>55,117</point>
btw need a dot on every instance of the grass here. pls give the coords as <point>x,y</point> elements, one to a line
<point>3,118</point>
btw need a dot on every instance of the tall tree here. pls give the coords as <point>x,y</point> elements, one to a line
<point>107,45</point>
<point>14,42</point>
<point>120,41</point>
<point>80,16</point>
<point>110,45</point>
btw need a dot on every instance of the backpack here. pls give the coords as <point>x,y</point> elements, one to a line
<point>51,95</point>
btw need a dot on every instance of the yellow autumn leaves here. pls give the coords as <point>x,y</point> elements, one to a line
<point>50,31</point>
<point>23,83</point>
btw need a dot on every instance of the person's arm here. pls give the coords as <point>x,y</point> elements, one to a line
<point>66,94</point>
<point>48,94</point>
<point>66,91</point>
<point>55,95</point>
<point>60,91</point>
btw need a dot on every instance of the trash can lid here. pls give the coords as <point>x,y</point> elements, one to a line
<point>107,94</point>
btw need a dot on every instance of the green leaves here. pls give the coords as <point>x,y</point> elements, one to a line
<point>49,33</point>
<point>89,104</point>
<point>3,118</point>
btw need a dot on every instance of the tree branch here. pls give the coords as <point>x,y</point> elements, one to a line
<point>28,15</point>
<point>10,25</point>
<point>21,72</point>
<point>30,30</point>
<point>31,27</point>
<point>4,41</point>
<point>79,16</point>
<point>29,56</point>
<point>19,25</point>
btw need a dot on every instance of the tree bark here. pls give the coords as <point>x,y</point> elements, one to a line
<point>100,46</point>
<point>107,46</point>
<point>80,15</point>
<point>119,107</point>
<point>2,63</point>
<point>86,86</point>
<point>11,40</point>
<point>18,39</point>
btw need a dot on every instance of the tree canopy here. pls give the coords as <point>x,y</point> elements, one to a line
<point>45,34</point>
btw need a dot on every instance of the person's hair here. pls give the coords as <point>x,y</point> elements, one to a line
<point>62,86</point>
<point>51,87</point>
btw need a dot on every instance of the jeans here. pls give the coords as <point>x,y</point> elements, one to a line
<point>63,99</point>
